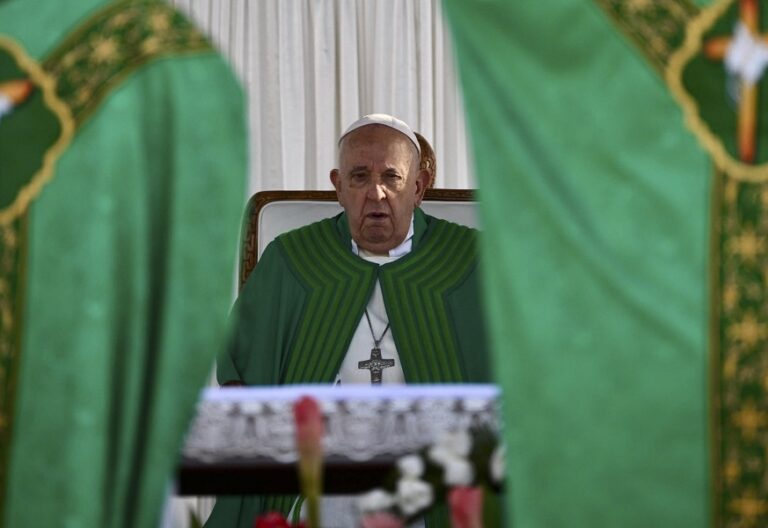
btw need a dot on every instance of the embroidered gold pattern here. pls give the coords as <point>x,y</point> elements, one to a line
<point>112,45</point>
<point>740,362</point>
<point>656,26</point>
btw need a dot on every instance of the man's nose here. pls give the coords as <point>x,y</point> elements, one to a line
<point>376,191</point>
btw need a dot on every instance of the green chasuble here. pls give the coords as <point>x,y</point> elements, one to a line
<point>121,183</point>
<point>297,312</point>
<point>622,159</point>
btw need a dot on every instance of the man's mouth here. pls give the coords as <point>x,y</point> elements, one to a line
<point>377,216</point>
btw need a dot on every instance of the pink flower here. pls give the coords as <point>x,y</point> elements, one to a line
<point>466,507</point>
<point>381,520</point>
<point>309,443</point>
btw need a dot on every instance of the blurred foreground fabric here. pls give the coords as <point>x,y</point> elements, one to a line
<point>123,175</point>
<point>621,159</point>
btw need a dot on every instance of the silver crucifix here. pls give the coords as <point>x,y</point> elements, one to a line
<point>376,365</point>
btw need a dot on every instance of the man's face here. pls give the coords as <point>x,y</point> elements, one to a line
<point>379,184</point>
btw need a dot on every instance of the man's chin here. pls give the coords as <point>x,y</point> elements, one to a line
<point>379,243</point>
<point>375,244</point>
<point>376,235</point>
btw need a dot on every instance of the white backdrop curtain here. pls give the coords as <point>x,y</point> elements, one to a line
<point>311,67</point>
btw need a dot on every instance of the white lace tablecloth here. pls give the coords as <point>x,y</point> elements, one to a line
<point>362,422</point>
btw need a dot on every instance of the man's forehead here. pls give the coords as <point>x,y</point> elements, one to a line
<point>396,156</point>
<point>376,140</point>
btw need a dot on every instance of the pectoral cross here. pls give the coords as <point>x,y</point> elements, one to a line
<point>376,365</point>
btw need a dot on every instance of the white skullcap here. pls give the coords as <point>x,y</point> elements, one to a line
<point>386,120</point>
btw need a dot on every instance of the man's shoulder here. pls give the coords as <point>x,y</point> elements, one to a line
<point>448,228</point>
<point>306,245</point>
<point>447,239</point>
<point>325,228</point>
<point>449,223</point>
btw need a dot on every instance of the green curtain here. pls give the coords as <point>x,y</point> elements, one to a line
<point>127,269</point>
<point>595,209</point>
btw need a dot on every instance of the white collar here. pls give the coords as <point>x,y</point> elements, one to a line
<point>403,249</point>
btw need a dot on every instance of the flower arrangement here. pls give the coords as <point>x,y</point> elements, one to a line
<point>455,470</point>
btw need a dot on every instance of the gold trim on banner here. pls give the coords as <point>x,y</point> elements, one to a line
<point>655,25</point>
<point>9,373</point>
<point>47,84</point>
<point>715,365</point>
<point>740,397</point>
<point>115,42</point>
<point>674,78</point>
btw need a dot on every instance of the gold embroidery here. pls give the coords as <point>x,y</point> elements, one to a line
<point>104,49</point>
<point>160,21</point>
<point>656,25</point>
<point>749,507</point>
<point>730,296</point>
<point>747,331</point>
<point>732,471</point>
<point>113,44</point>
<point>740,376</point>
<point>747,245</point>
<point>47,85</point>
<point>749,420</point>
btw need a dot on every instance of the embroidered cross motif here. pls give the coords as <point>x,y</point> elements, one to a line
<point>745,54</point>
<point>376,365</point>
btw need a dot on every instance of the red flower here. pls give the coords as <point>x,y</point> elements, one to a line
<point>466,507</point>
<point>271,520</point>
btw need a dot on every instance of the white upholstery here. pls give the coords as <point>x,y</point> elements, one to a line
<point>283,215</point>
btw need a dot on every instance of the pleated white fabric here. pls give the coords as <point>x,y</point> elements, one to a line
<point>311,67</point>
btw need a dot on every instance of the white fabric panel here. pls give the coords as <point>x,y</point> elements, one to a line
<point>311,67</point>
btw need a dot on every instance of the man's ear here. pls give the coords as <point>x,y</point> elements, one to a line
<point>336,181</point>
<point>422,181</point>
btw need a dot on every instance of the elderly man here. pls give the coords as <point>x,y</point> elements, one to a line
<point>381,293</point>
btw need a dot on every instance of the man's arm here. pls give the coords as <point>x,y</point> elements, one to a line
<point>263,323</point>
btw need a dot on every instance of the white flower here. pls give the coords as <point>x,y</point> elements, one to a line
<point>413,495</point>
<point>411,466</point>
<point>458,472</point>
<point>457,442</point>
<point>375,500</point>
<point>450,451</point>
<point>497,463</point>
<point>439,454</point>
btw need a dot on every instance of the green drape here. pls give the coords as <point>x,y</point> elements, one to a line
<point>127,278</point>
<point>595,207</point>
